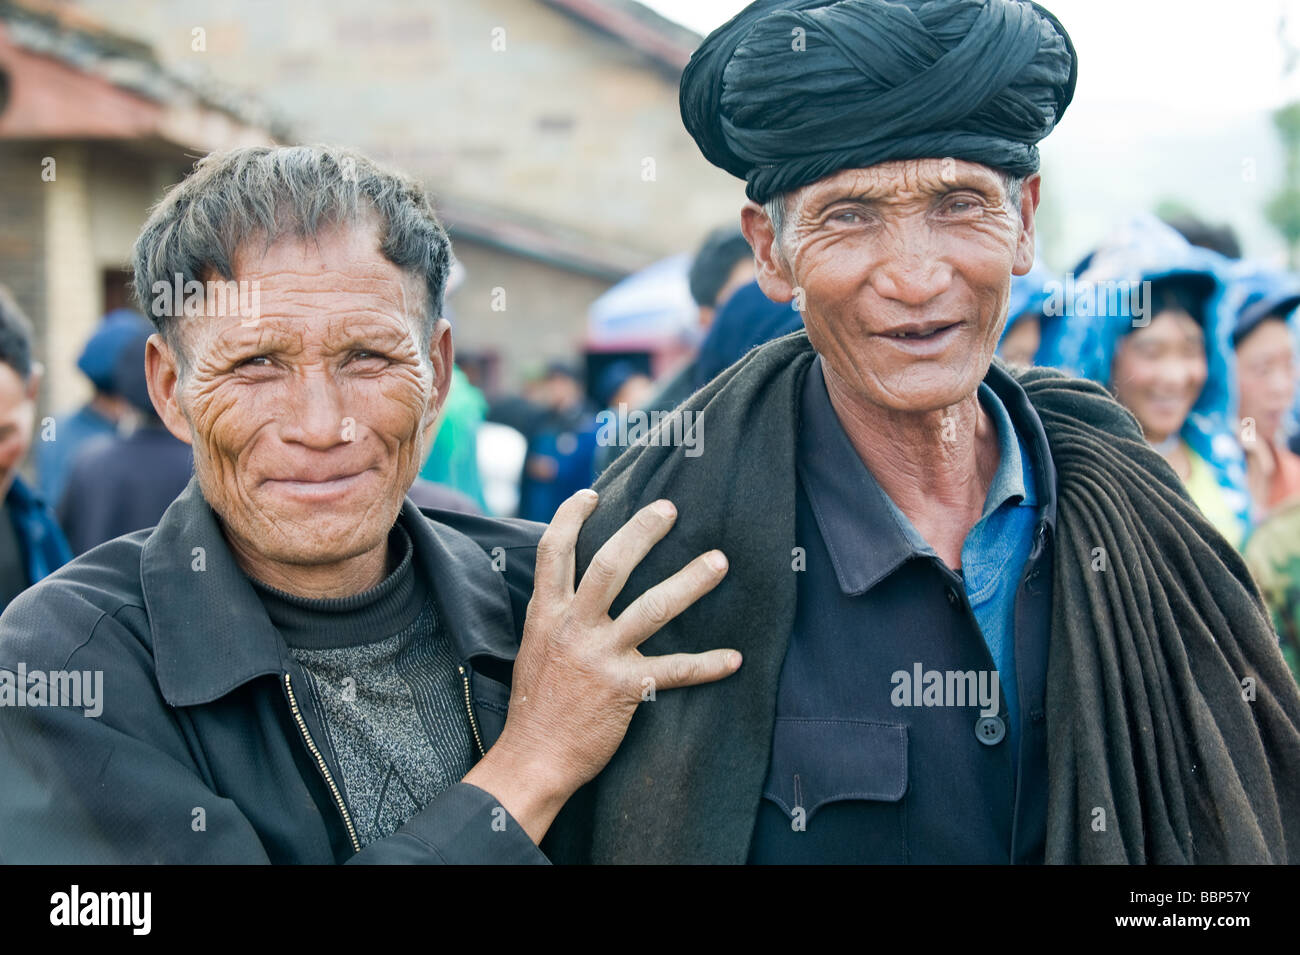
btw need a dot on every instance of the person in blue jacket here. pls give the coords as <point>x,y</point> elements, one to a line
<point>31,544</point>
<point>98,417</point>
<point>125,482</point>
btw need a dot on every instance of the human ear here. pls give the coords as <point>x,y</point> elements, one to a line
<point>772,273</point>
<point>441,360</point>
<point>162,374</point>
<point>1029,195</point>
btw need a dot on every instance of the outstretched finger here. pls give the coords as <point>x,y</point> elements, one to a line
<point>664,601</point>
<point>675,670</point>
<point>618,557</point>
<point>553,577</point>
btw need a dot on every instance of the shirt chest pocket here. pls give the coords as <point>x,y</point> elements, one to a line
<point>834,793</point>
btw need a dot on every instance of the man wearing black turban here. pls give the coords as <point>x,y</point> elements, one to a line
<point>981,619</point>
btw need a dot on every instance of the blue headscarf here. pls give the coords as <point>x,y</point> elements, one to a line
<point>1102,311</point>
<point>1255,292</point>
<point>1038,293</point>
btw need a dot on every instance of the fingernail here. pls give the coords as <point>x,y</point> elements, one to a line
<point>717,560</point>
<point>665,508</point>
<point>589,494</point>
<point>733,660</point>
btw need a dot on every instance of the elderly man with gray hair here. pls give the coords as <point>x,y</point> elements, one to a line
<point>297,664</point>
<point>982,621</point>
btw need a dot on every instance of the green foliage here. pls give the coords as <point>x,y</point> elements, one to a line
<point>1287,122</point>
<point>1282,592</point>
<point>1283,210</point>
<point>1171,208</point>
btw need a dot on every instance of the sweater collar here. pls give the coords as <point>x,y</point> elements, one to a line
<point>211,633</point>
<point>322,623</point>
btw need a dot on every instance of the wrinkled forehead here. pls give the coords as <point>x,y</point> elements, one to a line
<point>333,289</point>
<point>343,261</point>
<point>297,335</point>
<point>901,181</point>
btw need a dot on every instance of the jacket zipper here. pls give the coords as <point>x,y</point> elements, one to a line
<point>320,761</point>
<point>473,723</point>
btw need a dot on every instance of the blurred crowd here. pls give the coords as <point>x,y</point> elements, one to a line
<point>1201,347</point>
<point>1197,343</point>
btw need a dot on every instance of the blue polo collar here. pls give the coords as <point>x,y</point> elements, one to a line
<point>1009,482</point>
<point>865,533</point>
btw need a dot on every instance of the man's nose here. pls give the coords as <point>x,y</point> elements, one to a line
<point>314,412</point>
<point>910,270</point>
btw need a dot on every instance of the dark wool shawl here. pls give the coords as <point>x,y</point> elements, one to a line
<point>1169,706</point>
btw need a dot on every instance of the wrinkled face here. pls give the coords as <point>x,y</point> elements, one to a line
<point>905,270</point>
<point>1158,372</point>
<point>1266,376</point>
<point>17,416</point>
<point>309,424</point>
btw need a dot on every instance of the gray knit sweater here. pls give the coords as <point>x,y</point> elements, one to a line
<point>381,668</point>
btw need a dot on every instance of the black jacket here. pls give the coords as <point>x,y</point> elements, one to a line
<point>206,749</point>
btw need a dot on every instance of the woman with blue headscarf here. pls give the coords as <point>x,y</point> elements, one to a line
<point>1264,301</point>
<point>1264,340</point>
<point>1032,312</point>
<point>1148,321</point>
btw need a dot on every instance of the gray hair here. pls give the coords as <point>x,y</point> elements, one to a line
<point>777,207</point>
<point>268,192</point>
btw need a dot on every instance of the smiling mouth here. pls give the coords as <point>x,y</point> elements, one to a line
<point>921,334</point>
<point>326,480</point>
<point>318,487</point>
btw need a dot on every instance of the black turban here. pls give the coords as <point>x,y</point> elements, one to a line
<point>789,91</point>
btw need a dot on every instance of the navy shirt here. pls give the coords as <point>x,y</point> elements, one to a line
<point>995,549</point>
<point>882,750</point>
<point>122,484</point>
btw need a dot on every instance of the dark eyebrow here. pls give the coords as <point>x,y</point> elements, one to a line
<point>874,197</point>
<point>991,190</point>
<point>866,199</point>
<point>263,340</point>
<point>383,338</point>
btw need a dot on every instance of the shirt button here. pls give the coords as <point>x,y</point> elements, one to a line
<point>951,595</point>
<point>989,730</point>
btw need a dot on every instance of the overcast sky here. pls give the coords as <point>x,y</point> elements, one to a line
<point>1164,51</point>
<point>1172,103</point>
